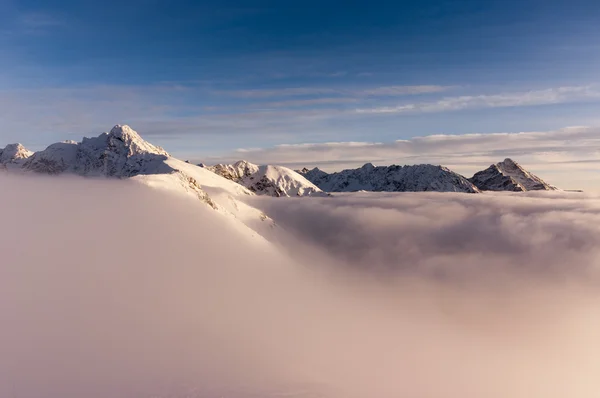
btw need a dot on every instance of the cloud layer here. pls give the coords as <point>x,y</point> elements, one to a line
<point>454,235</point>
<point>110,289</point>
<point>549,96</point>
<point>391,91</point>
<point>212,119</point>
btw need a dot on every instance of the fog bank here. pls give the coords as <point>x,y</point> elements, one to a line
<point>110,289</point>
<point>539,235</point>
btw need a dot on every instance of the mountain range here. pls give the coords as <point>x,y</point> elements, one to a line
<point>507,175</point>
<point>122,153</point>
<point>419,178</point>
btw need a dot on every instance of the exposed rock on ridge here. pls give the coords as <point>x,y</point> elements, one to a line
<point>418,178</point>
<point>267,180</point>
<point>508,175</point>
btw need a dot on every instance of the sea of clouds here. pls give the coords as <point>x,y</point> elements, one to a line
<point>111,289</point>
<point>454,235</point>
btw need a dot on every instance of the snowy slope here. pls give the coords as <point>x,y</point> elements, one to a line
<point>13,156</point>
<point>393,178</point>
<point>122,153</point>
<point>267,180</point>
<point>508,175</point>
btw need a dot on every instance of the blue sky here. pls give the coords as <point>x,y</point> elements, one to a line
<point>204,78</point>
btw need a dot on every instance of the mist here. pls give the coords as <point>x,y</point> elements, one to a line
<point>112,289</point>
<point>549,235</point>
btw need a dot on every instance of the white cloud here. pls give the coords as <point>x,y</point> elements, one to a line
<point>119,291</point>
<point>549,96</point>
<point>452,235</point>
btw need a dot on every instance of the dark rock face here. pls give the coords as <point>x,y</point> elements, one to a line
<point>508,175</point>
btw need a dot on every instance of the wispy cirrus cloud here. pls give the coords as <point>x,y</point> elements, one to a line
<point>279,92</point>
<point>196,125</point>
<point>308,102</point>
<point>357,92</point>
<point>34,20</point>
<point>392,91</point>
<point>513,99</point>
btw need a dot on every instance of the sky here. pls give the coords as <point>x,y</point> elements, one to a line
<point>215,81</point>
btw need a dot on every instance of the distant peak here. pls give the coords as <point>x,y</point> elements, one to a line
<point>245,164</point>
<point>15,147</point>
<point>509,162</point>
<point>368,166</point>
<point>508,175</point>
<point>14,152</point>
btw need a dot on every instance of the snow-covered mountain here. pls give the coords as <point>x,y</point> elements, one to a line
<point>508,175</point>
<point>13,156</point>
<point>122,153</point>
<point>393,178</point>
<point>267,180</point>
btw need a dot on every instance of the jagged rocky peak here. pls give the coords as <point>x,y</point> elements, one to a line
<point>314,172</point>
<point>245,168</point>
<point>14,153</point>
<point>508,165</point>
<point>509,175</point>
<point>132,140</point>
<point>236,171</point>
<point>122,152</point>
<point>368,166</point>
<point>315,175</point>
<point>267,179</point>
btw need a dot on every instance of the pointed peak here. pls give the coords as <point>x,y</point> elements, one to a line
<point>241,163</point>
<point>508,162</point>
<point>509,175</point>
<point>314,172</point>
<point>306,170</point>
<point>368,166</point>
<point>132,140</point>
<point>14,152</point>
<point>124,131</point>
<point>244,164</point>
<point>15,148</point>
